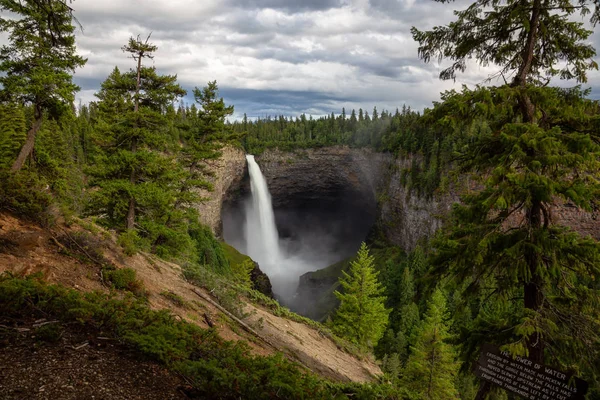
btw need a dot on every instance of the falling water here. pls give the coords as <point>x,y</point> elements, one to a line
<point>262,239</point>
<point>282,263</point>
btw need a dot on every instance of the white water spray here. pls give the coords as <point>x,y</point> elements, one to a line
<point>262,238</point>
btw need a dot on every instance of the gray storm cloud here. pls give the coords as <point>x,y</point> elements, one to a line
<point>279,56</point>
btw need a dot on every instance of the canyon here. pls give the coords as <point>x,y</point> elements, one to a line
<point>328,200</point>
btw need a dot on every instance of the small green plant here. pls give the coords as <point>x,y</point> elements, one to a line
<point>125,279</point>
<point>25,195</point>
<point>227,295</point>
<point>49,333</point>
<point>129,241</point>
<point>260,323</point>
<point>242,272</point>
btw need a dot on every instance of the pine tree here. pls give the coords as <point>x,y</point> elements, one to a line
<point>541,147</point>
<point>204,138</point>
<point>134,176</point>
<point>431,369</point>
<point>36,66</point>
<point>361,316</point>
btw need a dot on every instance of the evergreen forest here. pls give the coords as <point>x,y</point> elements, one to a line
<point>136,161</point>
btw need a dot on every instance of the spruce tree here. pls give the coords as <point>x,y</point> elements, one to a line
<point>361,316</point>
<point>37,64</point>
<point>432,368</point>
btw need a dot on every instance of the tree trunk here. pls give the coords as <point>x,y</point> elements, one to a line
<point>528,51</point>
<point>534,297</point>
<point>30,142</point>
<point>527,108</point>
<point>132,177</point>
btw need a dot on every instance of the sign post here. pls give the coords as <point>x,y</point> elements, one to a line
<point>526,378</point>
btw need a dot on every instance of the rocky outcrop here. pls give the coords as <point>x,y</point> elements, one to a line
<point>260,281</point>
<point>227,174</point>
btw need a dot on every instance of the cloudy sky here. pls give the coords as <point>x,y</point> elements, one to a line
<point>274,57</point>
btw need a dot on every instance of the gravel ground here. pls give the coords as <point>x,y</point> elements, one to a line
<point>54,361</point>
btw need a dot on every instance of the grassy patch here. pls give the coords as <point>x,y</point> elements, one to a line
<point>233,256</point>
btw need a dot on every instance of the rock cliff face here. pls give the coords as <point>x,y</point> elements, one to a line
<point>405,217</point>
<point>332,190</point>
<point>354,187</point>
<point>228,172</point>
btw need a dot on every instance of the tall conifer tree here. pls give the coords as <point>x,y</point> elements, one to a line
<point>135,177</point>
<point>36,66</point>
<point>540,147</point>
<point>432,368</point>
<point>361,316</point>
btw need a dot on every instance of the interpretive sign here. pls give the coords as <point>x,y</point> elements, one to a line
<point>526,378</point>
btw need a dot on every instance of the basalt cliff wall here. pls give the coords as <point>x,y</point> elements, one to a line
<point>361,185</point>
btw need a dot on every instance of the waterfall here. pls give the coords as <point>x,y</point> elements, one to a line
<point>262,238</point>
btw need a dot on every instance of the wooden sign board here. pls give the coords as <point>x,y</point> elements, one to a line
<point>526,378</point>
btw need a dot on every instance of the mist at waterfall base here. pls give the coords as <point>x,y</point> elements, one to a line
<point>284,260</point>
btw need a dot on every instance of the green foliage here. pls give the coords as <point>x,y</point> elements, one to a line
<point>25,195</point>
<point>129,241</point>
<point>204,132</point>
<point>134,179</point>
<point>12,133</point>
<point>431,369</point>
<point>505,33</point>
<point>36,66</point>
<point>218,369</point>
<point>361,316</point>
<point>537,146</point>
<point>49,332</point>
<point>175,299</point>
<point>524,169</point>
<point>242,272</point>
<point>125,279</point>
<point>209,250</point>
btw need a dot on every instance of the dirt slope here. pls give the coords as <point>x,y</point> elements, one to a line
<point>77,366</point>
<point>64,255</point>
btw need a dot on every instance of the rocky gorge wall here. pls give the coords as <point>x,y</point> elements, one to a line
<point>367,182</point>
<point>335,195</point>
<point>316,181</point>
<point>227,174</point>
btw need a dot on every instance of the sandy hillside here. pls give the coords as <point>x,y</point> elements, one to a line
<point>73,257</point>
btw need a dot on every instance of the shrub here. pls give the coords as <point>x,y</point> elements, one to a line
<point>49,333</point>
<point>175,299</point>
<point>129,241</point>
<point>25,195</point>
<point>125,279</point>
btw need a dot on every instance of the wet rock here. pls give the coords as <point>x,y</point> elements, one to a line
<point>260,281</point>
